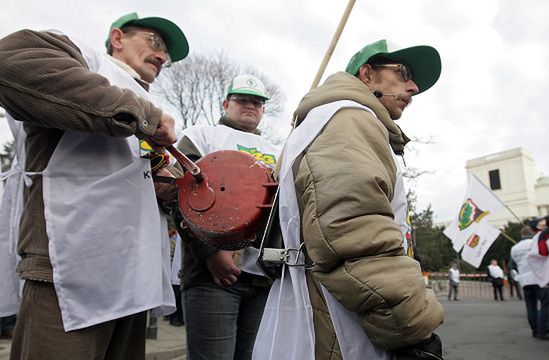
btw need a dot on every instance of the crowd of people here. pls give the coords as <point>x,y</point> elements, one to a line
<point>526,275</point>
<point>89,187</point>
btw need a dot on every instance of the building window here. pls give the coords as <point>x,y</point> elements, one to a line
<point>495,183</point>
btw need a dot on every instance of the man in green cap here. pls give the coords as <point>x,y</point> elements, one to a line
<point>91,237</point>
<point>343,204</point>
<point>224,292</point>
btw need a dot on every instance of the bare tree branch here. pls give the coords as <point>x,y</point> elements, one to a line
<point>197,86</point>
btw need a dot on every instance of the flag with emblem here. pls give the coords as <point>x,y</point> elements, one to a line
<point>482,236</point>
<point>479,205</point>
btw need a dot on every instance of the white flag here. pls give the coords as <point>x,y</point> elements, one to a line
<point>480,204</point>
<point>477,244</point>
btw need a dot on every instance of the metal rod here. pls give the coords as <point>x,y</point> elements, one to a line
<point>333,43</point>
<point>186,163</point>
<point>508,237</point>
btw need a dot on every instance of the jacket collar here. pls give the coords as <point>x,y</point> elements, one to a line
<point>224,120</point>
<point>343,86</point>
<point>127,68</point>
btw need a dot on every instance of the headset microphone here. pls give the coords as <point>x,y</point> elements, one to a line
<point>379,93</point>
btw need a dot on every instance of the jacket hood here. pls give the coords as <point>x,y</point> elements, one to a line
<point>343,86</point>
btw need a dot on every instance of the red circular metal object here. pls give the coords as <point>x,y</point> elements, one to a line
<point>231,204</point>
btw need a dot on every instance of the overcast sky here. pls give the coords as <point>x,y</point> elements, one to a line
<point>491,96</point>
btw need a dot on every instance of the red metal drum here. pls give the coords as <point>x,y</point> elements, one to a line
<point>232,202</point>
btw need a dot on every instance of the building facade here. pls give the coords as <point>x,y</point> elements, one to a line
<point>512,177</point>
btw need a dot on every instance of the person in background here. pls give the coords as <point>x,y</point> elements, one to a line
<point>453,282</point>
<point>512,273</point>
<point>495,274</point>
<point>536,298</point>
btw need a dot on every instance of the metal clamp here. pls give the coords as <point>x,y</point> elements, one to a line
<point>289,256</point>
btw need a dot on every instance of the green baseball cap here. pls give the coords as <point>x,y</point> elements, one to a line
<point>423,61</point>
<point>248,85</point>
<point>175,40</point>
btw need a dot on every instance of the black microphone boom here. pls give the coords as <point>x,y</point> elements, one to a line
<point>379,93</point>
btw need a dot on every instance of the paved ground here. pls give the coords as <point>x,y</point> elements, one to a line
<point>473,330</point>
<point>169,344</point>
<point>489,330</point>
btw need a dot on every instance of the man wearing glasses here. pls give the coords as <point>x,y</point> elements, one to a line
<point>91,235</point>
<point>342,196</point>
<point>224,292</point>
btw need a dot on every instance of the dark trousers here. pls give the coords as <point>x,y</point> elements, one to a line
<point>453,289</point>
<point>7,324</point>
<point>513,285</point>
<point>176,318</point>
<point>39,332</point>
<point>497,283</point>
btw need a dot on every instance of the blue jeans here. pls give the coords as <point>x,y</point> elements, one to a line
<point>222,322</point>
<point>538,319</point>
<point>543,316</point>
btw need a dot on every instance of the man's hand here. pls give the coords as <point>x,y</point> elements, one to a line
<point>427,350</point>
<point>222,267</point>
<point>165,191</point>
<point>164,134</point>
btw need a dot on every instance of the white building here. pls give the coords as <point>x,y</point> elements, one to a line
<point>511,176</point>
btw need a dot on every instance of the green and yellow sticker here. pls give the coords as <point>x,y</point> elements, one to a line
<point>267,159</point>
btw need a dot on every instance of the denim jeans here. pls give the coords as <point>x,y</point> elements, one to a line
<point>222,322</point>
<point>543,316</point>
<point>538,319</point>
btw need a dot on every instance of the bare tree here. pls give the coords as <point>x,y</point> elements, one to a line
<point>197,86</point>
<point>413,173</point>
<point>6,156</point>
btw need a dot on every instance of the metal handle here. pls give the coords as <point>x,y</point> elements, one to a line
<point>186,163</point>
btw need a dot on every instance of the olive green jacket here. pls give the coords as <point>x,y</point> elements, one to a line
<point>345,182</point>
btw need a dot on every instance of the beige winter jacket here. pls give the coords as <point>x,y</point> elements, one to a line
<point>344,183</point>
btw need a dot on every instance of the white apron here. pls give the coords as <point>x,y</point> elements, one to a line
<point>10,214</point>
<point>208,139</point>
<point>176,261</point>
<point>286,330</point>
<point>106,236</point>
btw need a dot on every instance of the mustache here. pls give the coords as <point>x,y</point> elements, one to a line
<point>155,61</point>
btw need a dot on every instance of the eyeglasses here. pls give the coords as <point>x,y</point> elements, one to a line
<point>403,70</point>
<point>243,100</point>
<point>157,44</point>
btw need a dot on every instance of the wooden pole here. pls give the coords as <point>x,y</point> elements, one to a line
<point>508,237</point>
<point>333,43</point>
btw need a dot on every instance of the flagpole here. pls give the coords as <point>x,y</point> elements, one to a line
<point>333,43</point>
<point>507,237</point>
<point>504,204</point>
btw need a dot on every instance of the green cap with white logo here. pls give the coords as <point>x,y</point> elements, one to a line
<point>423,61</point>
<point>248,85</point>
<point>176,42</point>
